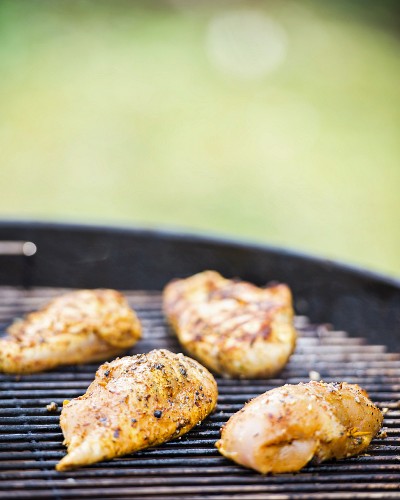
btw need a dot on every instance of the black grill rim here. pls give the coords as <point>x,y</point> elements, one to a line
<point>25,228</point>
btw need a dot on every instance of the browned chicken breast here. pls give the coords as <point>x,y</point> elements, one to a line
<point>78,327</point>
<point>233,327</point>
<point>135,402</point>
<point>283,429</point>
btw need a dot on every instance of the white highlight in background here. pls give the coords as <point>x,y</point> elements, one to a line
<point>246,43</point>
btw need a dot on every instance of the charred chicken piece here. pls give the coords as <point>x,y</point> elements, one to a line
<point>133,403</point>
<point>283,429</point>
<point>235,328</point>
<point>78,327</point>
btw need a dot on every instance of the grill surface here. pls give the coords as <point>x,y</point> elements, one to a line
<point>191,467</point>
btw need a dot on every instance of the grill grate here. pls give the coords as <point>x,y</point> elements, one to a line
<point>191,467</point>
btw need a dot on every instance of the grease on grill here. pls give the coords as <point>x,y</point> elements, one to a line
<point>52,407</point>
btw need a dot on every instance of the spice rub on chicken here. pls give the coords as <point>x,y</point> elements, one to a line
<point>133,403</point>
<point>235,328</point>
<point>77,327</point>
<point>283,429</point>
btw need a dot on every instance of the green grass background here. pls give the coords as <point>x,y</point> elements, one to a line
<point>114,112</point>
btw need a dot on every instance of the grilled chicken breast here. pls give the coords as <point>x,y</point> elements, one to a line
<point>283,429</point>
<point>135,402</point>
<point>78,327</point>
<point>233,327</point>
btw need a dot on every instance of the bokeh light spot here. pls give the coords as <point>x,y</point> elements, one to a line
<point>246,43</point>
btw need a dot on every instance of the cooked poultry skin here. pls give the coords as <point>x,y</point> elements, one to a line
<point>233,327</point>
<point>77,327</point>
<point>133,403</point>
<point>283,429</point>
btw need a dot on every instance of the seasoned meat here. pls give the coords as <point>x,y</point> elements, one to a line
<point>233,327</point>
<point>135,402</point>
<point>78,327</point>
<point>283,429</point>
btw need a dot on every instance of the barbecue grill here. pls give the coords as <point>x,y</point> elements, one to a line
<point>349,329</point>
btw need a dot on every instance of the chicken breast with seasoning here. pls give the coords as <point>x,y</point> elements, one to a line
<point>135,402</point>
<point>233,327</point>
<point>78,327</point>
<point>283,429</point>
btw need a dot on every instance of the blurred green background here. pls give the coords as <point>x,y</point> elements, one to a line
<point>273,121</point>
